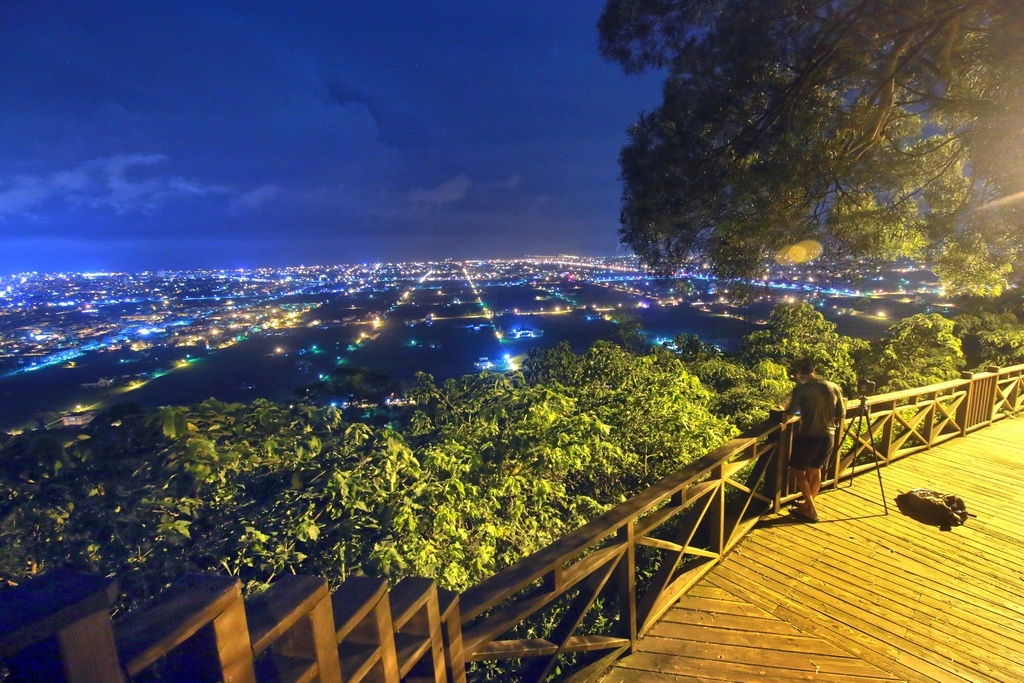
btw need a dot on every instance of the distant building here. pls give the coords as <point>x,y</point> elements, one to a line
<point>524,332</point>
<point>101,382</point>
<point>77,419</point>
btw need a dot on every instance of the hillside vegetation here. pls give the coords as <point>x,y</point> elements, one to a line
<point>472,475</point>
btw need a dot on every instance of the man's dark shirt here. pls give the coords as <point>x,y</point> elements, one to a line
<point>821,407</point>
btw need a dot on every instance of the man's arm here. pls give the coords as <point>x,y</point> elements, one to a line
<point>840,407</point>
<point>791,408</point>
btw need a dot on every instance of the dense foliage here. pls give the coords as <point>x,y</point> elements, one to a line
<point>476,473</point>
<point>800,331</point>
<point>486,469</point>
<point>990,338</point>
<point>743,393</point>
<point>919,350</point>
<point>876,129</point>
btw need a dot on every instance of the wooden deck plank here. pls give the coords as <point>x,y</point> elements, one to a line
<point>871,649</point>
<point>961,623</point>
<point>994,498</point>
<point>873,636</point>
<point>704,590</point>
<point>795,643</point>
<point>960,584</point>
<point>872,596</point>
<point>839,607</point>
<point>765,654</point>
<point>976,537</point>
<point>715,607</point>
<point>741,672</point>
<point>971,569</point>
<point>730,621</point>
<point>945,638</point>
<point>626,675</point>
<point>887,576</point>
<point>727,638</point>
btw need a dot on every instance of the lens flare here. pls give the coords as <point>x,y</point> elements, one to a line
<point>801,252</point>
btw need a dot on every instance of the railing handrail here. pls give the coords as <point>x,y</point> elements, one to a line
<point>902,394</point>
<point>1008,369</point>
<point>510,580</point>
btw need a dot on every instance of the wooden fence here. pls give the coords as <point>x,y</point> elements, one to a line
<point>577,604</point>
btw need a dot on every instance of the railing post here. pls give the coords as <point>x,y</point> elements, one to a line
<point>716,523</point>
<point>1018,385</point>
<point>200,624</point>
<point>293,618</point>
<point>994,369</point>
<point>980,399</point>
<point>963,411</point>
<point>992,390</point>
<point>416,617</point>
<point>451,636</point>
<point>884,445</point>
<point>58,625</point>
<point>626,580</point>
<point>779,469</point>
<point>1000,401</point>
<point>929,422</point>
<point>1016,404</point>
<point>837,449</point>
<point>362,622</point>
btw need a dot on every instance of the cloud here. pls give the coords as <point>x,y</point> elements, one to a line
<point>450,191</point>
<point>394,127</point>
<point>123,183</point>
<point>22,193</point>
<point>512,182</point>
<point>254,199</point>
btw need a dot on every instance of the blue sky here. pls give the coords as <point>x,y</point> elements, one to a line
<point>172,134</point>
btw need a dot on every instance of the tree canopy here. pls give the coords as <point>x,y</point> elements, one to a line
<point>483,470</point>
<point>797,331</point>
<point>917,351</point>
<point>877,129</point>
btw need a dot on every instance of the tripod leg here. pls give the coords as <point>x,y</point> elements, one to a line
<point>878,463</point>
<point>855,427</point>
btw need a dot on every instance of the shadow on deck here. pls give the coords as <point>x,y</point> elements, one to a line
<point>862,596</point>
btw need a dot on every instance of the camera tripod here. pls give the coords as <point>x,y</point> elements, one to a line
<point>857,428</point>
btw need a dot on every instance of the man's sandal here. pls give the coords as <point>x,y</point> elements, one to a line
<point>799,510</point>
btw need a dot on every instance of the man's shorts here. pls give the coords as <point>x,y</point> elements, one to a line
<point>810,452</point>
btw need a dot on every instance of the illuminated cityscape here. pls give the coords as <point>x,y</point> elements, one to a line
<point>78,342</point>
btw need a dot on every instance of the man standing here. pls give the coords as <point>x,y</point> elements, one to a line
<point>822,409</point>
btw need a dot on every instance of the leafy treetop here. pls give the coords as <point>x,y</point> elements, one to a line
<point>877,129</point>
<point>799,331</point>
<point>917,351</point>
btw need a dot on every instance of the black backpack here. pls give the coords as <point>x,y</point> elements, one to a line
<point>943,510</point>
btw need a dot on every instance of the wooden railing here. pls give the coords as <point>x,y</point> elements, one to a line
<point>577,604</point>
<point>905,422</point>
<point>57,628</point>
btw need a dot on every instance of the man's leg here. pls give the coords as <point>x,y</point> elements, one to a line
<point>815,475</point>
<point>803,482</point>
<point>814,481</point>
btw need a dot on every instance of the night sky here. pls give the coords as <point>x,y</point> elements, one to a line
<point>175,134</point>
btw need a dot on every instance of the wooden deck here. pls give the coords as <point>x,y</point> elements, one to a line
<point>862,596</point>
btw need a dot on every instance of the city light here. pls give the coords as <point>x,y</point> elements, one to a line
<point>143,318</point>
